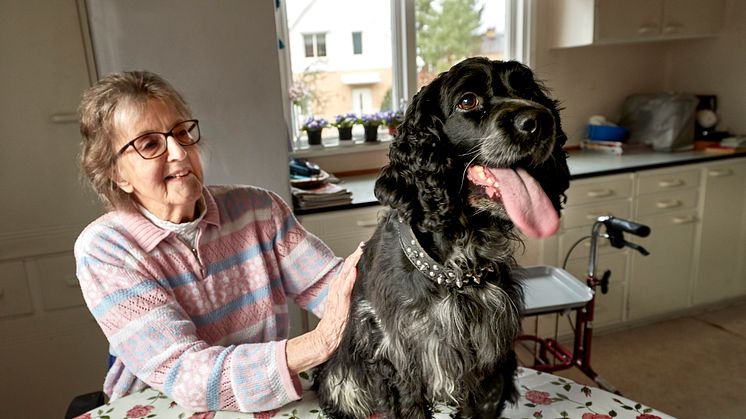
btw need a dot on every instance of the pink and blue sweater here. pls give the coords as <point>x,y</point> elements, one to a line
<point>206,326</point>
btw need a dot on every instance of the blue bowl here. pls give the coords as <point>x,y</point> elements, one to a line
<point>607,133</point>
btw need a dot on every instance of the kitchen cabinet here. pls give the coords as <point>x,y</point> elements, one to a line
<point>343,231</point>
<point>589,22</point>
<point>666,200</point>
<point>52,348</point>
<point>721,248</point>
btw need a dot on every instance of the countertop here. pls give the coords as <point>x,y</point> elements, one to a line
<point>582,164</point>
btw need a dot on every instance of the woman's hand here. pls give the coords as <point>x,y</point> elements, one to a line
<point>313,348</point>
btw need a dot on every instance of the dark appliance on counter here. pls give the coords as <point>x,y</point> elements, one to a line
<point>706,119</point>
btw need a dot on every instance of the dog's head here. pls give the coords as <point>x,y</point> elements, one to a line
<point>482,138</point>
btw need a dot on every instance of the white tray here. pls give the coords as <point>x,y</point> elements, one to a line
<point>548,289</point>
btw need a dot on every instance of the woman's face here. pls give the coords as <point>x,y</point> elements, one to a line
<point>168,186</point>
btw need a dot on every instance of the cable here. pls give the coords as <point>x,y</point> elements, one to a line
<point>567,256</point>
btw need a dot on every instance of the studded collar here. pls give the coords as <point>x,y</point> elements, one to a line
<point>437,272</point>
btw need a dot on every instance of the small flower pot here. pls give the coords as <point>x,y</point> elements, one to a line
<point>371,133</point>
<point>345,133</point>
<point>314,137</point>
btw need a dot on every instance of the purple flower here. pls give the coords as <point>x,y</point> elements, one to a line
<point>313,124</point>
<point>345,120</point>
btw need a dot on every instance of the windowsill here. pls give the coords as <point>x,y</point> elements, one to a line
<point>351,157</point>
<point>332,146</point>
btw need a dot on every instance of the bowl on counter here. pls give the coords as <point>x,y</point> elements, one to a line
<point>607,132</point>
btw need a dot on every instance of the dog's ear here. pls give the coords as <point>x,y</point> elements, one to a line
<point>416,181</point>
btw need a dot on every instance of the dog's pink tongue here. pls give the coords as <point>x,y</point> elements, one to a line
<point>526,203</point>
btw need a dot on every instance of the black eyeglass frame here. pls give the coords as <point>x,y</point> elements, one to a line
<point>165,135</point>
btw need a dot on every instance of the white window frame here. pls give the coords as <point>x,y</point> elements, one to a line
<point>520,42</point>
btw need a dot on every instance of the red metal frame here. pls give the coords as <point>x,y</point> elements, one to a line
<point>580,356</point>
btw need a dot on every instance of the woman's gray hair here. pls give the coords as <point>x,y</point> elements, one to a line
<point>97,111</point>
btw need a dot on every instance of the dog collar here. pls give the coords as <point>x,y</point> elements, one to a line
<point>429,267</point>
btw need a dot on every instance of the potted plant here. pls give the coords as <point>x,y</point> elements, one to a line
<point>392,119</point>
<point>370,123</point>
<point>313,127</point>
<point>344,123</point>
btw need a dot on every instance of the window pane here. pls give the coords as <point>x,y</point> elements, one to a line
<point>451,30</point>
<point>321,45</point>
<point>337,79</point>
<point>357,43</point>
<point>308,42</point>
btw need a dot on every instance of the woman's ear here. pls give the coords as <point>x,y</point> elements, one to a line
<point>120,180</point>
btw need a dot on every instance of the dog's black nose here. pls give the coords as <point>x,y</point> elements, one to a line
<point>527,122</point>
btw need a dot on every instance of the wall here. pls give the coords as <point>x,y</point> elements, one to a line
<point>596,79</point>
<point>223,57</point>
<point>716,66</point>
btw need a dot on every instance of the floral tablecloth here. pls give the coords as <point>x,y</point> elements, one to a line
<point>542,396</point>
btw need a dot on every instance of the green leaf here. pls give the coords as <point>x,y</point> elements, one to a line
<point>567,387</point>
<point>647,410</point>
<point>589,404</point>
<point>638,406</point>
<point>612,413</point>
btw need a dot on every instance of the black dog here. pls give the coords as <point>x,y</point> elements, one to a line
<point>436,307</point>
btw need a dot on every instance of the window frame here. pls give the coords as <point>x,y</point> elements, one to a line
<point>519,38</point>
<point>357,43</point>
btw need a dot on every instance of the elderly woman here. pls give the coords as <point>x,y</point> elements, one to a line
<point>188,282</point>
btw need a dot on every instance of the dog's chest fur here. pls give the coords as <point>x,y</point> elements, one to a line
<point>448,339</point>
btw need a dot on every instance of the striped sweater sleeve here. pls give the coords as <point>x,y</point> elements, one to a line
<point>152,335</point>
<point>307,265</point>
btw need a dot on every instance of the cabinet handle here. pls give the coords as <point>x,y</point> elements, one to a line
<point>367,223</point>
<point>600,193</point>
<point>601,243</point>
<point>72,281</point>
<point>594,215</point>
<point>672,183</point>
<point>668,204</point>
<point>64,118</point>
<point>649,29</point>
<point>672,28</point>
<point>719,172</point>
<point>684,220</point>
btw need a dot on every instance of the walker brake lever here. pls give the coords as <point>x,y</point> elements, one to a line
<point>643,251</point>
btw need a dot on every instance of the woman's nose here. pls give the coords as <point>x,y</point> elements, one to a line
<point>176,151</point>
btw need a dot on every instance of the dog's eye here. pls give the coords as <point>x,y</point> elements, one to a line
<point>468,102</point>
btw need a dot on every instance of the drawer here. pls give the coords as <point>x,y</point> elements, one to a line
<point>585,215</point>
<point>599,190</point>
<point>668,181</point>
<point>59,285</point>
<point>14,292</point>
<point>669,201</point>
<point>342,231</point>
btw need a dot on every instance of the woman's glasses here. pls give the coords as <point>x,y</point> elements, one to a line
<point>152,145</point>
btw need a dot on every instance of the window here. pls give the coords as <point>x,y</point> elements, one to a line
<point>315,44</point>
<point>408,42</point>
<point>357,43</point>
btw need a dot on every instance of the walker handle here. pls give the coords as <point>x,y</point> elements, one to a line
<point>627,226</point>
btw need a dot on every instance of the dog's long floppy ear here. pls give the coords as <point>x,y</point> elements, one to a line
<point>419,181</point>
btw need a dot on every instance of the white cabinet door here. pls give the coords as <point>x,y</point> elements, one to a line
<point>721,250</point>
<point>691,17</point>
<point>662,282</point>
<point>623,20</point>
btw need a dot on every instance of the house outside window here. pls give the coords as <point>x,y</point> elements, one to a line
<point>407,43</point>
<point>357,43</point>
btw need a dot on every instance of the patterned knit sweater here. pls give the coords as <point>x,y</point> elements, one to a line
<point>206,326</point>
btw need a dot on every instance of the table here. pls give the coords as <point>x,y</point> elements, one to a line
<point>543,395</point>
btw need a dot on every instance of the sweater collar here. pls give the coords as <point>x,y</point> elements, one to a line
<point>148,235</point>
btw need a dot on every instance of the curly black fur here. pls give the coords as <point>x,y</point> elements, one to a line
<point>411,342</point>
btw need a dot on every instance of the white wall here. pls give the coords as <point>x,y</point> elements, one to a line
<point>596,79</point>
<point>223,56</point>
<point>716,66</point>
